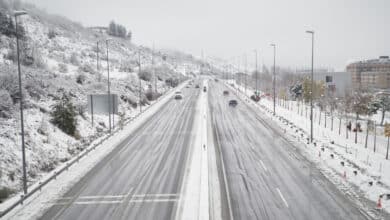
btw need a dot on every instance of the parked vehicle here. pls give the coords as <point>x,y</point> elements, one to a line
<point>204,89</point>
<point>197,86</point>
<point>233,103</point>
<point>255,98</point>
<point>225,93</point>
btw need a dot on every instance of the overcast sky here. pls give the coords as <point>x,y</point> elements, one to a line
<point>346,30</point>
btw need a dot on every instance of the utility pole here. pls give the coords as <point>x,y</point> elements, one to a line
<point>109,92</point>
<point>256,71</point>
<point>274,81</point>
<point>154,72</point>
<point>246,65</point>
<point>311,86</point>
<point>140,82</point>
<point>16,14</point>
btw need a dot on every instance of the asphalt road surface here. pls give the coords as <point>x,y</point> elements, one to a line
<point>141,178</point>
<point>267,178</point>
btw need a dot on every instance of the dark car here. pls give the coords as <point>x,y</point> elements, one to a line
<point>233,103</point>
<point>225,92</point>
<point>204,89</point>
<point>255,98</point>
<point>197,86</point>
<point>178,96</point>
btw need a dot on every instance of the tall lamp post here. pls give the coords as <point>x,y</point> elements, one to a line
<point>17,14</point>
<point>256,69</point>
<point>245,71</point>
<point>311,86</point>
<point>109,91</point>
<point>274,81</point>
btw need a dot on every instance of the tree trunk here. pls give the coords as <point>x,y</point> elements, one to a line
<point>356,129</point>
<point>368,122</point>
<point>383,116</point>
<point>374,136</point>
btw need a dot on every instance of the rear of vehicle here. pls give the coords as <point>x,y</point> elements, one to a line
<point>233,103</point>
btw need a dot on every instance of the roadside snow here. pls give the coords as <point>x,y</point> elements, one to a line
<point>38,203</point>
<point>371,179</point>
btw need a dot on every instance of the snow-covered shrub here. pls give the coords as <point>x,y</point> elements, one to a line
<point>11,55</point>
<point>51,34</point>
<point>87,68</point>
<point>125,67</point>
<point>145,75</point>
<point>38,60</point>
<point>43,128</point>
<point>74,59</point>
<point>9,82</point>
<point>33,87</point>
<point>150,95</point>
<point>5,192</point>
<point>80,79</point>
<point>62,68</point>
<point>64,115</point>
<point>5,104</point>
<point>81,109</point>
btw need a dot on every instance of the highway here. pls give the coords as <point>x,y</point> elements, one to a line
<point>268,178</point>
<point>141,178</point>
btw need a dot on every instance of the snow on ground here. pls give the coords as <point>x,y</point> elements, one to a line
<point>194,204</point>
<point>37,204</point>
<point>63,60</point>
<point>372,178</point>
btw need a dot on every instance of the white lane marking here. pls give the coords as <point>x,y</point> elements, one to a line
<point>116,201</point>
<point>102,198</point>
<point>281,196</point>
<point>262,164</point>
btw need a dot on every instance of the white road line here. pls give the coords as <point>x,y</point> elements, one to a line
<point>119,196</point>
<point>262,164</point>
<point>281,196</point>
<point>116,201</point>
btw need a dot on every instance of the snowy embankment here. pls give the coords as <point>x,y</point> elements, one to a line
<point>39,202</point>
<point>354,169</point>
<point>66,62</point>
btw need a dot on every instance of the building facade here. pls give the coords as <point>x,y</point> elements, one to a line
<point>370,74</point>
<point>337,83</point>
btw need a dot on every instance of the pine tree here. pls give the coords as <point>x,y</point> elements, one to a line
<point>64,115</point>
<point>381,103</point>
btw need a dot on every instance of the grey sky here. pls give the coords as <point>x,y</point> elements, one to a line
<point>345,29</point>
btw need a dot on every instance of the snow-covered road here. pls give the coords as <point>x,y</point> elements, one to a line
<point>141,178</point>
<point>267,177</point>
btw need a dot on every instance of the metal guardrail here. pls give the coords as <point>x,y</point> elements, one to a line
<point>76,159</point>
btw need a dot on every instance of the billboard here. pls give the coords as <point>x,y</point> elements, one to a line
<point>98,104</point>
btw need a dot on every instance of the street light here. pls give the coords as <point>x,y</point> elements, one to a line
<point>256,69</point>
<point>108,85</point>
<point>16,14</point>
<point>274,81</point>
<point>311,86</point>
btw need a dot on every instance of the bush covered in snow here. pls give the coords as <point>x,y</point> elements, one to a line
<point>64,115</point>
<point>62,68</point>
<point>5,104</point>
<point>145,75</point>
<point>80,79</point>
<point>74,59</point>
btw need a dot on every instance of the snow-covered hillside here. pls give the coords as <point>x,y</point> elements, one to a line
<point>63,60</point>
